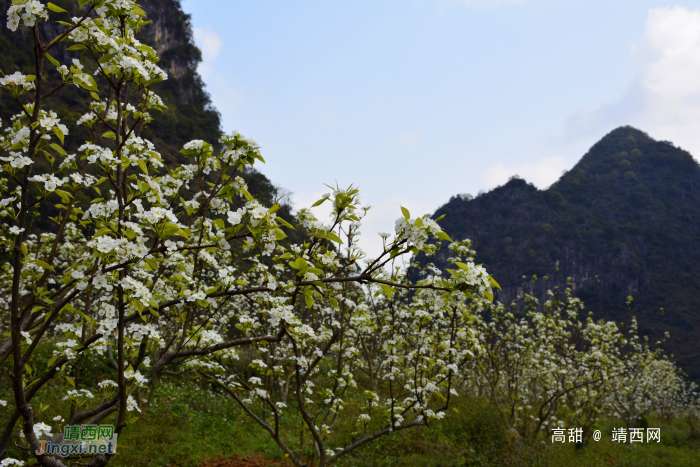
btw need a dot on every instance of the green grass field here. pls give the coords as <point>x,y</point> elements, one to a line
<point>187,426</point>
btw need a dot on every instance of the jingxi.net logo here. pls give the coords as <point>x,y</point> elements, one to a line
<point>86,439</point>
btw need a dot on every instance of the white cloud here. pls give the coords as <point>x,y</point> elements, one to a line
<point>542,173</point>
<point>210,44</point>
<point>664,99</point>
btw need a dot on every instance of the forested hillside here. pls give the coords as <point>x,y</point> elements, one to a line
<point>624,221</point>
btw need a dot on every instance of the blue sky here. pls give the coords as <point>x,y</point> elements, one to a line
<point>416,101</point>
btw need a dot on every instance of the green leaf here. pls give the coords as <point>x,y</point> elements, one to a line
<point>439,218</point>
<point>280,235</point>
<point>334,302</point>
<point>334,237</point>
<point>83,2</point>
<point>388,291</point>
<point>30,78</point>
<point>203,303</point>
<point>70,380</point>
<point>64,195</point>
<point>58,148</point>
<point>51,361</point>
<point>49,157</point>
<point>274,208</point>
<point>246,194</point>
<point>77,47</point>
<point>494,283</point>
<point>109,135</point>
<point>83,315</point>
<point>405,213</point>
<point>309,297</point>
<point>170,229</point>
<point>142,164</point>
<point>462,266</point>
<point>94,96</point>
<point>24,249</point>
<point>54,8</point>
<point>138,305</point>
<point>285,223</point>
<point>443,236</point>
<point>59,133</point>
<point>102,231</point>
<point>44,265</point>
<point>53,61</point>
<point>319,202</point>
<point>92,85</point>
<point>299,263</point>
<point>219,223</point>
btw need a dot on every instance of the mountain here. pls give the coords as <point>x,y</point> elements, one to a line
<point>624,221</point>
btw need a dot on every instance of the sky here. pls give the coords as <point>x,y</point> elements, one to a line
<point>418,101</point>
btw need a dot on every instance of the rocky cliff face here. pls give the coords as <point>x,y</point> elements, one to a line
<point>624,221</point>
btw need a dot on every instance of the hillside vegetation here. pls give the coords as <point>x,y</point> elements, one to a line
<point>625,220</point>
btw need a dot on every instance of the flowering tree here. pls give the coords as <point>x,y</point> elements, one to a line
<point>544,367</point>
<point>148,266</point>
<point>391,351</point>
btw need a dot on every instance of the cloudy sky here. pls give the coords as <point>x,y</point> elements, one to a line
<point>417,101</point>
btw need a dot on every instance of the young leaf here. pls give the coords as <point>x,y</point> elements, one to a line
<point>54,8</point>
<point>142,164</point>
<point>443,236</point>
<point>285,223</point>
<point>334,237</point>
<point>309,297</point>
<point>405,212</point>
<point>59,133</point>
<point>280,235</point>
<point>58,148</point>
<point>388,291</point>
<point>53,61</point>
<point>44,265</point>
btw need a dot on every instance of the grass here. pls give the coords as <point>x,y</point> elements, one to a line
<point>187,426</point>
